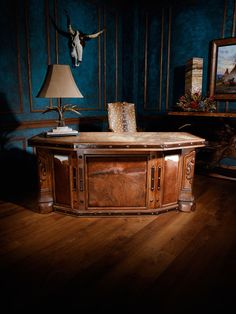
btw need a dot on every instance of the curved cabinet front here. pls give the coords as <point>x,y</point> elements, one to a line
<point>101,178</point>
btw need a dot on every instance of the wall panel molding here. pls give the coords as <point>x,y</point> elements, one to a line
<point>111,56</point>
<point>95,105</point>
<point>116,57</point>
<point>224,19</point>
<point>145,63</point>
<point>168,59</point>
<point>151,91</point>
<point>161,60</point>
<point>104,59</point>
<point>29,51</point>
<point>20,90</point>
<point>99,62</point>
<point>11,91</point>
<point>234,19</point>
<point>36,124</point>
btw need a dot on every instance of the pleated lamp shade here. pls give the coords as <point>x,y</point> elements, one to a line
<point>59,83</point>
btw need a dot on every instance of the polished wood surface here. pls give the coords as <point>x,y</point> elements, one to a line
<point>162,140</point>
<point>116,181</point>
<point>116,173</point>
<point>203,114</point>
<point>170,263</point>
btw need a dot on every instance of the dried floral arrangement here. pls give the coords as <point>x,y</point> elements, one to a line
<point>194,101</point>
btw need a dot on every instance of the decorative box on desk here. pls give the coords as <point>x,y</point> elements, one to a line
<point>104,173</point>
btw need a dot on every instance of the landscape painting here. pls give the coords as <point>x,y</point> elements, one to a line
<point>223,69</point>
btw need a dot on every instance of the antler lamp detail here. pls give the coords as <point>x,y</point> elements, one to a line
<point>59,83</point>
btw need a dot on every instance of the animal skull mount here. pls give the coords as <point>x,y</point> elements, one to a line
<point>76,40</point>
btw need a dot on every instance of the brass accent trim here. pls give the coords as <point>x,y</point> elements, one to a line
<point>117,147</point>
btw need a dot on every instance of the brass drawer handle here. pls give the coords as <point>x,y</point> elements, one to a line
<point>81,180</point>
<point>152,178</point>
<point>159,178</point>
<point>74,179</point>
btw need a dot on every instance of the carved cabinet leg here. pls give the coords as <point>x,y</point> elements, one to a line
<point>186,198</point>
<point>45,198</point>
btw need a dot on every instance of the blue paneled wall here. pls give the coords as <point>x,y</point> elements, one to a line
<point>139,58</point>
<point>165,37</point>
<point>30,41</point>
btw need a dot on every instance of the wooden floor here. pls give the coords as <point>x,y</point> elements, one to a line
<point>170,263</point>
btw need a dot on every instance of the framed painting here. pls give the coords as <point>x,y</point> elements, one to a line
<point>222,84</point>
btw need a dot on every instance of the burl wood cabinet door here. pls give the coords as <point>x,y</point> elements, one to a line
<point>170,179</point>
<point>62,179</point>
<point>116,182</point>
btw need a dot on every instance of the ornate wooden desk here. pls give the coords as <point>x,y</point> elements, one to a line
<point>105,173</point>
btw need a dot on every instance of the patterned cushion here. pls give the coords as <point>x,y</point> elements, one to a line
<point>121,117</point>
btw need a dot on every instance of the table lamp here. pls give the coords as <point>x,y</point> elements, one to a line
<point>59,83</point>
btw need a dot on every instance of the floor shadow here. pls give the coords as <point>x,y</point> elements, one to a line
<point>18,168</point>
<point>18,176</point>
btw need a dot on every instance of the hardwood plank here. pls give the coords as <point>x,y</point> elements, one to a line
<point>174,261</point>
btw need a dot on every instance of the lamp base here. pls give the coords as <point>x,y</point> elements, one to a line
<point>62,131</point>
